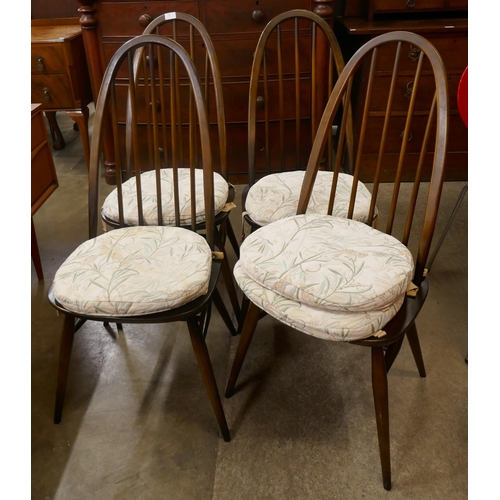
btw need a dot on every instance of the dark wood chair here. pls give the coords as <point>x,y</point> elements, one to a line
<point>148,272</point>
<point>284,90</point>
<point>343,280</point>
<point>192,35</point>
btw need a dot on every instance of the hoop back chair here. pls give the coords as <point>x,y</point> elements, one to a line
<point>287,96</point>
<point>340,279</point>
<point>148,272</point>
<point>189,32</point>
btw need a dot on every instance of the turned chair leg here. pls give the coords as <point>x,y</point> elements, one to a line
<point>412,336</point>
<point>252,318</point>
<point>381,399</point>
<point>207,373</point>
<point>67,337</point>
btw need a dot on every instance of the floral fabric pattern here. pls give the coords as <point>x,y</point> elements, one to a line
<point>321,323</point>
<point>276,196</point>
<point>328,262</point>
<point>149,198</point>
<point>133,271</point>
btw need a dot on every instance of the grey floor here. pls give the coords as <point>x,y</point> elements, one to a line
<point>137,423</point>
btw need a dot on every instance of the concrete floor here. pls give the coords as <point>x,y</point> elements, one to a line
<point>137,423</point>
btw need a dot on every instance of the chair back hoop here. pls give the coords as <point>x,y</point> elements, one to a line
<point>108,113</point>
<point>437,123</point>
<point>463,96</point>
<point>315,86</point>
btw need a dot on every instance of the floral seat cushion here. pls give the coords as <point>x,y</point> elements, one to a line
<point>276,196</point>
<point>321,323</point>
<point>148,185</point>
<point>133,271</point>
<point>328,262</point>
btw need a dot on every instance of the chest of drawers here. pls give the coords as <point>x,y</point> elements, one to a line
<point>365,19</point>
<point>234,28</point>
<point>59,74</point>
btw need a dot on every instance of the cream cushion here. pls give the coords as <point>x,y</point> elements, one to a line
<point>134,271</point>
<point>321,323</point>
<point>328,262</point>
<point>276,196</point>
<point>148,188</point>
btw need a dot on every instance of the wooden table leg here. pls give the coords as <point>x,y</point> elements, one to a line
<point>81,118</point>
<point>35,254</point>
<point>57,137</point>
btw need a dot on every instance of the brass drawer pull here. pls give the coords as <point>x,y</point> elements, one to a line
<point>409,90</point>
<point>401,135</point>
<point>414,53</point>
<point>46,95</point>
<point>410,3</point>
<point>39,63</point>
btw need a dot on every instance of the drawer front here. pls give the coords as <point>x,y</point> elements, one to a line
<point>244,16</point>
<point>43,177</point>
<point>38,130</point>
<point>453,50</point>
<point>380,6</point>
<point>47,59</point>
<point>130,18</point>
<point>404,89</point>
<point>53,91</point>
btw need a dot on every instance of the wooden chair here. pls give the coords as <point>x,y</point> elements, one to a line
<point>149,272</point>
<point>287,99</point>
<point>343,280</point>
<point>189,32</point>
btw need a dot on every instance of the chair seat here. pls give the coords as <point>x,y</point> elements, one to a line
<point>276,196</point>
<point>149,198</point>
<point>134,271</point>
<point>328,262</point>
<point>315,321</point>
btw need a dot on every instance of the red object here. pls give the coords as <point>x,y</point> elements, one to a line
<point>463,96</point>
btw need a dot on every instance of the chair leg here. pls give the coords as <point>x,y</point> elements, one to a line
<point>381,399</point>
<point>252,318</point>
<point>67,337</point>
<point>412,336</point>
<point>392,353</point>
<point>232,238</point>
<point>207,373</point>
<point>221,307</point>
<point>244,311</point>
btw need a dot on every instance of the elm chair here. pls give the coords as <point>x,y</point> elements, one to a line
<point>340,279</point>
<point>149,272</point>
<point>189,32</point>
<point>286,98</point>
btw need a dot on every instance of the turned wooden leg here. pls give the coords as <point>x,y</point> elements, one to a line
<point>67,337</point>
<point>207,373</point>
<point>412,336</point>
<point>252,318</point>
<point>55,132</point>
<point>381,399</point>
<point>81,118</point>
<point>35,253</point>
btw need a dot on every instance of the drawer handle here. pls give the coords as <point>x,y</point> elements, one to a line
<point>145,19</point>
<point>260,102</point>
<point>401,135</point>
<point>46,95</point>
<point>258,16</point>
<point>410,3</point>
<point>409,90</point>
<point>39,63</point>
<point>414,53</point>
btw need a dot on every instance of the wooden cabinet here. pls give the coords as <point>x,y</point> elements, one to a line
<point>234,27</point>
<point>43,175</point>
<point>444,24</point>
<point>59,75</point>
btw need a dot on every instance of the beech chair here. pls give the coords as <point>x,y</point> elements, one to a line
<point>149,272</point>
<point>340,279</point>
<point>286,98</point>
<point>189,32</point>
